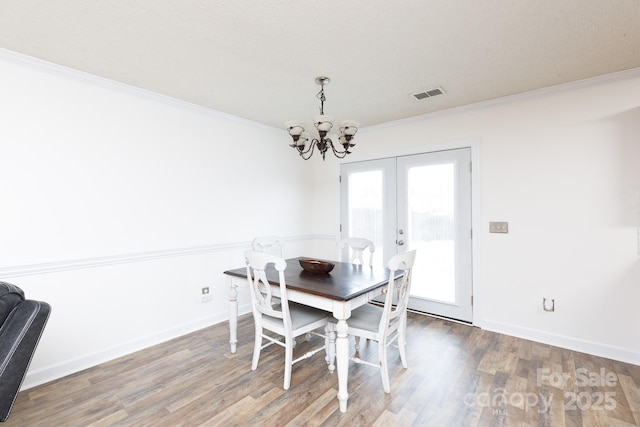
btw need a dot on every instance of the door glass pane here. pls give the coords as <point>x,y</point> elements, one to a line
<point>366,200</point>
<point>431,230</point>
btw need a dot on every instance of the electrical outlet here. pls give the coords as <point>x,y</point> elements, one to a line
<point>498,227</point>
<point>205,296</point>
<point>548,304</point>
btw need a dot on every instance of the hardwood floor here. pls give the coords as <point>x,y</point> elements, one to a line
<point>458,376</point>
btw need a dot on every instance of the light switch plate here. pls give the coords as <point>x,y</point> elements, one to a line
<point>498,227</point>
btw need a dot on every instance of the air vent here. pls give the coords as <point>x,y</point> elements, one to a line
<point>429,93</point>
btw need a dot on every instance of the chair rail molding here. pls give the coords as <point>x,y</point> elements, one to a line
<point>72,264</point>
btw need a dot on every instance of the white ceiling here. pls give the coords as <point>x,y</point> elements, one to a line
<point>258,59</point>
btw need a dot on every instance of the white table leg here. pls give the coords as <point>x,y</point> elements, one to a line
<point>233,315</point>
<point>342,356</point>
<point>330,343</point>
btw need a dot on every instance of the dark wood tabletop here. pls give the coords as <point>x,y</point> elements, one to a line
<point>345,282</point>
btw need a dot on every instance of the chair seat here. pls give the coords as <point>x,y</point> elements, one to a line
<point>366,317</point>
<point>301,315</point>
<point>385,325</point>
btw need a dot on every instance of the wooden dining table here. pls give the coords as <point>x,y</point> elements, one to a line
<point>346,287</point>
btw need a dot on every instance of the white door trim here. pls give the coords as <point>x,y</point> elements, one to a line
<point>476,214</point>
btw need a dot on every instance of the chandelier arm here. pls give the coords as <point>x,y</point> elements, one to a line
<point>339,154</point>
<point>309,150</point>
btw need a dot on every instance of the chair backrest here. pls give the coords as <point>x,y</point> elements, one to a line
<point>262,300</point>
<point>269,244</point>
<point>399,288</point>
<point>357,246</point>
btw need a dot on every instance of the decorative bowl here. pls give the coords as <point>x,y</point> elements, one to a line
<point>316,266</point>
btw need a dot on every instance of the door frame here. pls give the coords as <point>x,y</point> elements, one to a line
<point>476,221</point>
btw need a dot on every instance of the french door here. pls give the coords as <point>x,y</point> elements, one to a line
<point>420,202</point>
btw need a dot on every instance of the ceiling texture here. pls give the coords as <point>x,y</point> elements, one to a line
<point>259,59</point>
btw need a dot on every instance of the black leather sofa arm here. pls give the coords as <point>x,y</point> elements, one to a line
<point>22,322</point>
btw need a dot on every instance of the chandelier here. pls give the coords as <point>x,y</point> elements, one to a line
<point>323,124</point>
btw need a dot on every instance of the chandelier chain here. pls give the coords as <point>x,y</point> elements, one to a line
<point>322,98</point>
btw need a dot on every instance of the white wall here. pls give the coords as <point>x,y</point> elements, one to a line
<point>562,166</point>
<point>118,206</point>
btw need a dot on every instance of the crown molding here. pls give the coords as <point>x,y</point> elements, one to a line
<point>82,76</point>
<point>71,73</point>
<point>564,87</point>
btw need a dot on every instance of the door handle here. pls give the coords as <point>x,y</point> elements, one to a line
<point>400,242</point>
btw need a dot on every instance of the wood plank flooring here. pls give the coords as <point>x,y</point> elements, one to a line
<point>458,376</point>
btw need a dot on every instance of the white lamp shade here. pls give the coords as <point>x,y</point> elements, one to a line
<point>323,122</point>
<point>294,128</point>
<point>349,127</point>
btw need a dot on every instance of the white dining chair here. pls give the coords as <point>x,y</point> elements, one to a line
<point>273,245</point>
<point>357,246</point>
<point>386,324</point>
<point>287,319</point>
<point>269,244</point>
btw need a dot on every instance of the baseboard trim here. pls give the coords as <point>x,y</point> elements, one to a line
<point>34,378</point>
<point>570,343</point>
<point>51,373</point>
